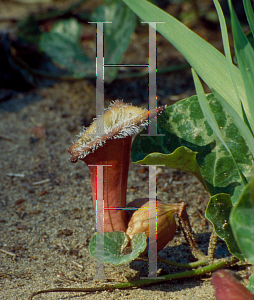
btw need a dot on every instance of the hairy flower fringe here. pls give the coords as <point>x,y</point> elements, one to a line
<point>120,121</point>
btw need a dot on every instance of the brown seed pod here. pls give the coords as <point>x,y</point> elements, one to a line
<point>166,225</point>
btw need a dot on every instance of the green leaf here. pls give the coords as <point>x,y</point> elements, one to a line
<point>239,121</point>
<point>252,190</point>
<point>242,223</point>
<point>245,59</point>
<point>182,159</point>
<point>250,38</point>
<point>29,30</point>
<point>206,60</point>
<point>206,110</point>
<point>249,14</point>
<point>62,45</point>
<point>226,47</point>
<point>184,125</point>
<point>114,245</point>
<point>117,35</point>
<point>209,116</point>
<point>240,124</point>
<point>250,285</point>
<point>218,211</point>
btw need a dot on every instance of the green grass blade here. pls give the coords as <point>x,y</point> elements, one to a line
<point>226,47</point>
<point>224,32</point>
<point>249,14</point>
<point>207,61</point>
<point>245,59</point>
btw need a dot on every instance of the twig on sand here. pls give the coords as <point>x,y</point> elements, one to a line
<point>16,175</point>
<point>41,181</point>
<point>77,264</point>
<point>4,137</point>
<point>8,253</point>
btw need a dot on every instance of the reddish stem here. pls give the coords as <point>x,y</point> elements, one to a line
<point>116,152</point>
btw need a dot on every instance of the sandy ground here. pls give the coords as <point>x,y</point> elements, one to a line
<point>47,226</point>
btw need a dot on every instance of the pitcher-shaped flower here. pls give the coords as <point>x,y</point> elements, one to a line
<point>111,147</point>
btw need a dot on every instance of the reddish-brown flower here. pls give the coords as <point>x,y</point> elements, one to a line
<point>111,147</point>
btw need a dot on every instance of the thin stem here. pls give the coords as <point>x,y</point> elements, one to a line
<point>188,234</point>
<point>212,245</point>
<point>195,264</point>
<point>192,265</point>
<point>222,263</point>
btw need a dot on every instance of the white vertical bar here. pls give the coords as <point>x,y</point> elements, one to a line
<point>99,222</point>
<point>100,79</point>
<point>99,218</point>
<point>152,246</point>
<point>152,129</point>
<point>152,99</point>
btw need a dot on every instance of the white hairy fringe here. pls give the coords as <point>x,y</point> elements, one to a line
<point>129,130</point>
<point>117,119</point>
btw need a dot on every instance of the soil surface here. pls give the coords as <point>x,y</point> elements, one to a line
<point>46,213</point>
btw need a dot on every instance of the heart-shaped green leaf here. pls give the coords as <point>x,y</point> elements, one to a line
<point>242,222</point>
<point>183,124</point>
<point>218,211</point>
<point>113,244</point>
